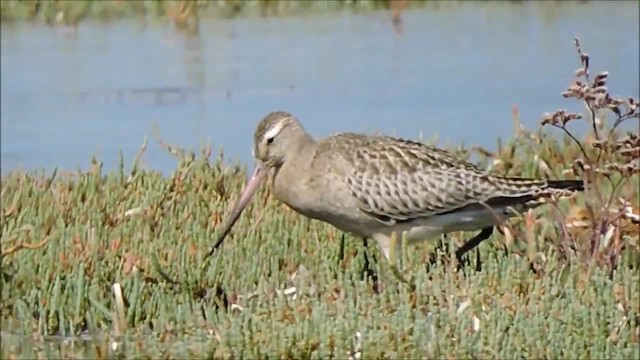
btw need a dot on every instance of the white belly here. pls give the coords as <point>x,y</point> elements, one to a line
<point>429,228</point>
<point>473,220</point>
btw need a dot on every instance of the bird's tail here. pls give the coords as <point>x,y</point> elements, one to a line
<point>561,188</point>
<point>571,185</point>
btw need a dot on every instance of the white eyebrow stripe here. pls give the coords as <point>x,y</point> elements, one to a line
<point>274,130</point>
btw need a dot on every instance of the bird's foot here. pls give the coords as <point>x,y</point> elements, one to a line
<point>470,245</point>
<point>393,262</point>
<point>438,254</point>
<point>464,261</point>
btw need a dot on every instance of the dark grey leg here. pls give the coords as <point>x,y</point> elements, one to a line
<point>466,247</point>
<point>441,248</point>
<point>341,251</point>
<point>471,244</point>
<point>368,271</point>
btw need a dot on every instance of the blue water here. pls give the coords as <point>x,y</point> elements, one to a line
<point>454,71</point>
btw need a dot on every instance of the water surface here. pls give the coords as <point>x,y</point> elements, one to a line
<point>454,71</point>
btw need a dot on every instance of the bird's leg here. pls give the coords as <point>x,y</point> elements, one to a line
<point>433,258</point>
<point>394,257</point>
<point>367,270</point>
<point>341,251</point>
<point>472,243</point>
<point>395,251</point>
<point>478,262</point>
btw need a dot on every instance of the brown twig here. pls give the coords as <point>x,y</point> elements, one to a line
<point>22,246</point>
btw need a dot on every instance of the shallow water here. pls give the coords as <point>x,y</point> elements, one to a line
<point>452,70</point>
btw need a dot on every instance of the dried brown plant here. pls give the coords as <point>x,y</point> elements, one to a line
<point>607,162</point>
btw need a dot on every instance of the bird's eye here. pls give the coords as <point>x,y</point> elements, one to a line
<point>270,141</point>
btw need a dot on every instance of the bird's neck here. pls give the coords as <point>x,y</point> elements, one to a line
<point>288,177</point>
<point>301,145</point>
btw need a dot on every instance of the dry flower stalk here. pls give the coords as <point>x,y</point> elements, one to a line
<point>606,163</point>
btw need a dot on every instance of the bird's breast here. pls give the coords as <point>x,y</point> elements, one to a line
<point>325,198</point>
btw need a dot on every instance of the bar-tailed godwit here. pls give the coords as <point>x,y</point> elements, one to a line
<point>373,186</point>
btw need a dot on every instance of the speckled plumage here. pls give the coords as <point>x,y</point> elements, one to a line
<point>372,186</point>
<point>400,180</point>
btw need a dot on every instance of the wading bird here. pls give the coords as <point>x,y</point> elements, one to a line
<point>375,186</point>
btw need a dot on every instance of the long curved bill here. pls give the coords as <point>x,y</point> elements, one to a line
<point>259,173</point>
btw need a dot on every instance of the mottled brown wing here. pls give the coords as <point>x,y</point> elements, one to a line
<point>398,180</point>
